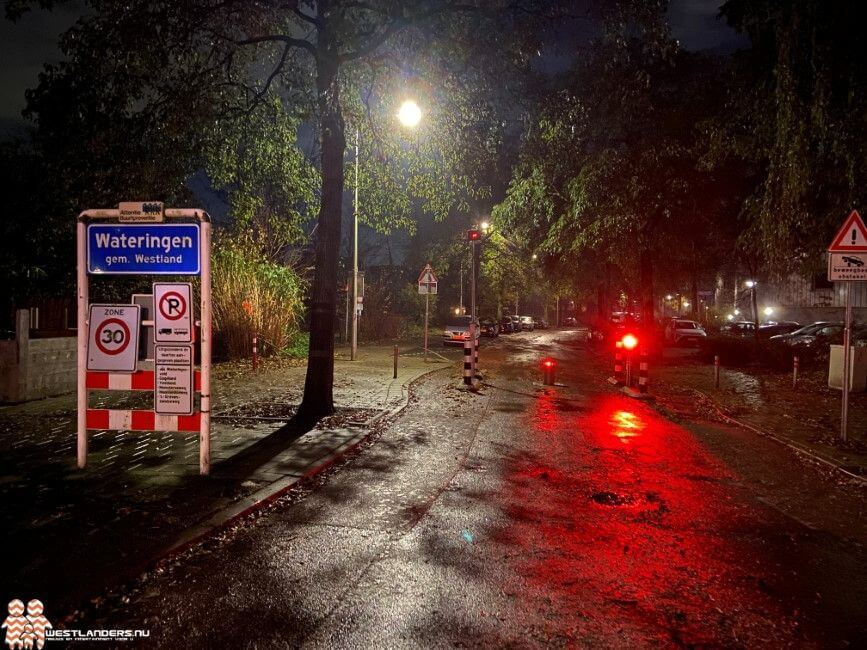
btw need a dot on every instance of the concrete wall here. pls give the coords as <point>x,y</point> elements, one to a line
<point>52,365</point>
<point>35,368</point>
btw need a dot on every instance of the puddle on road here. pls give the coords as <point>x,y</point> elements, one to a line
<point>612,499</point>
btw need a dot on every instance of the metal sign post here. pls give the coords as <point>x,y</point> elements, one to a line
<point>427,284</point>
<point>152,245</point>
<point>847,360</point>
<point>847,256</point>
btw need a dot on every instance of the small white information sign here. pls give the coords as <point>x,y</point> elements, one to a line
<point>173,312</point>
<point>173,379</point>
<point>847,266</point>
<point>113,341</point>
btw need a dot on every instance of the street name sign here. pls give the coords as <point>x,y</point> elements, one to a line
<point>146,212</point>
<point>844,267</point>
<point>173,312</point>
<point>135,249</point>
<point>173,379</point>
<point>113,341</point>
<point>852,237</point>
<point>427,281</point>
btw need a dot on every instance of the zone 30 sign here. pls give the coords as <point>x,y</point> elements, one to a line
<point>113,341</point>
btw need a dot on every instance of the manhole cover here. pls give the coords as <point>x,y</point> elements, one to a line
<point>611,498</point>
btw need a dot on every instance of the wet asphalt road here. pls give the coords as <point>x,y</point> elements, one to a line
<point>526,516</point>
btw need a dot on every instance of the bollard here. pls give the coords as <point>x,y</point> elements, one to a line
<point>396,352</point>
<point>468,362</point>
<point>618,363</point>
<point>549,371</point>
<point>628,364</point>
<point>476,357</point>
<point>255,352</point>
<point>643,367</point>
<point>716,371</point>
<point>795,366</point>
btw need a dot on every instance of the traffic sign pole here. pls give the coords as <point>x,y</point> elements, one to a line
<point>426,313</point>
<point>846,264</point>
<point>83,299</point>
<point>205,353</point>
<point>847,359</point>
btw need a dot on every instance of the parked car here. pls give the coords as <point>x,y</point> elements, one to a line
<point>739,328</point>
<point>540,323</point>
<point>489,328</point>
<point>805,330</point>
<point>570,321</point>
<point>516,322</point>
<point>506,325</point>
<point>817,336</point>
<point>527,323</point>
<point>684,332</point>
<point>457,330</point>
<point>775,329</point>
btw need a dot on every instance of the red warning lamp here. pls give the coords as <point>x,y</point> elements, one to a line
<point>629,341</point>
<point>549,371</point>
<point>474,235</point>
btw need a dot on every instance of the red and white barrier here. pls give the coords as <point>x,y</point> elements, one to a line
<point>129,420</point>
<point>139,380</point>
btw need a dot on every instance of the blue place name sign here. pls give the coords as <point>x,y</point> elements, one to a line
<point>158,249</point>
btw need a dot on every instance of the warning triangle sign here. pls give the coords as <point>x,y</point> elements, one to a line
<point>851,237</point>
<point>427,276</point>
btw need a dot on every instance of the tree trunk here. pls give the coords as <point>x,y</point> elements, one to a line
<point>318,397</point>
<point>646,271</point>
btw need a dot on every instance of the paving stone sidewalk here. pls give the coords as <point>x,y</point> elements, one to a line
<point>75,533</point>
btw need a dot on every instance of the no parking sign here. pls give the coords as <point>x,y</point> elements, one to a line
<point>173,312</point>
<point>113,341</point>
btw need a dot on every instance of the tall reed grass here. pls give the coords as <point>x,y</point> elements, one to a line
<point>253,295</point>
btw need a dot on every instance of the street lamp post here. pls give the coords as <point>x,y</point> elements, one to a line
<point>751,285</point>
<point>354,348</point>
<point>409,115</point>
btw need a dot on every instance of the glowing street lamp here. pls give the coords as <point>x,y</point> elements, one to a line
<point>409,113</point>
<point>769,311</point>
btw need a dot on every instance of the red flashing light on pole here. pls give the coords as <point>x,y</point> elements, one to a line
<point>549,371</point>
<point>629,341</point>
<point>474,235</point>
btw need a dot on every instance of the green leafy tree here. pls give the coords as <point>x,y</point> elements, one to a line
<point>160,74</point>
<point>796,110</point>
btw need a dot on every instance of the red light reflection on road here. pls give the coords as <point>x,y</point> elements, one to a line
<point>626,425</point>
<point>629,529</point>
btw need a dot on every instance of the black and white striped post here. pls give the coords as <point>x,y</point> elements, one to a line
<point>468,362</point>
<point>643,367</point>
<point>476,356</point>
<point>618,363</point>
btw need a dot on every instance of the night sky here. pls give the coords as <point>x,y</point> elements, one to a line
<point>25,46</point>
